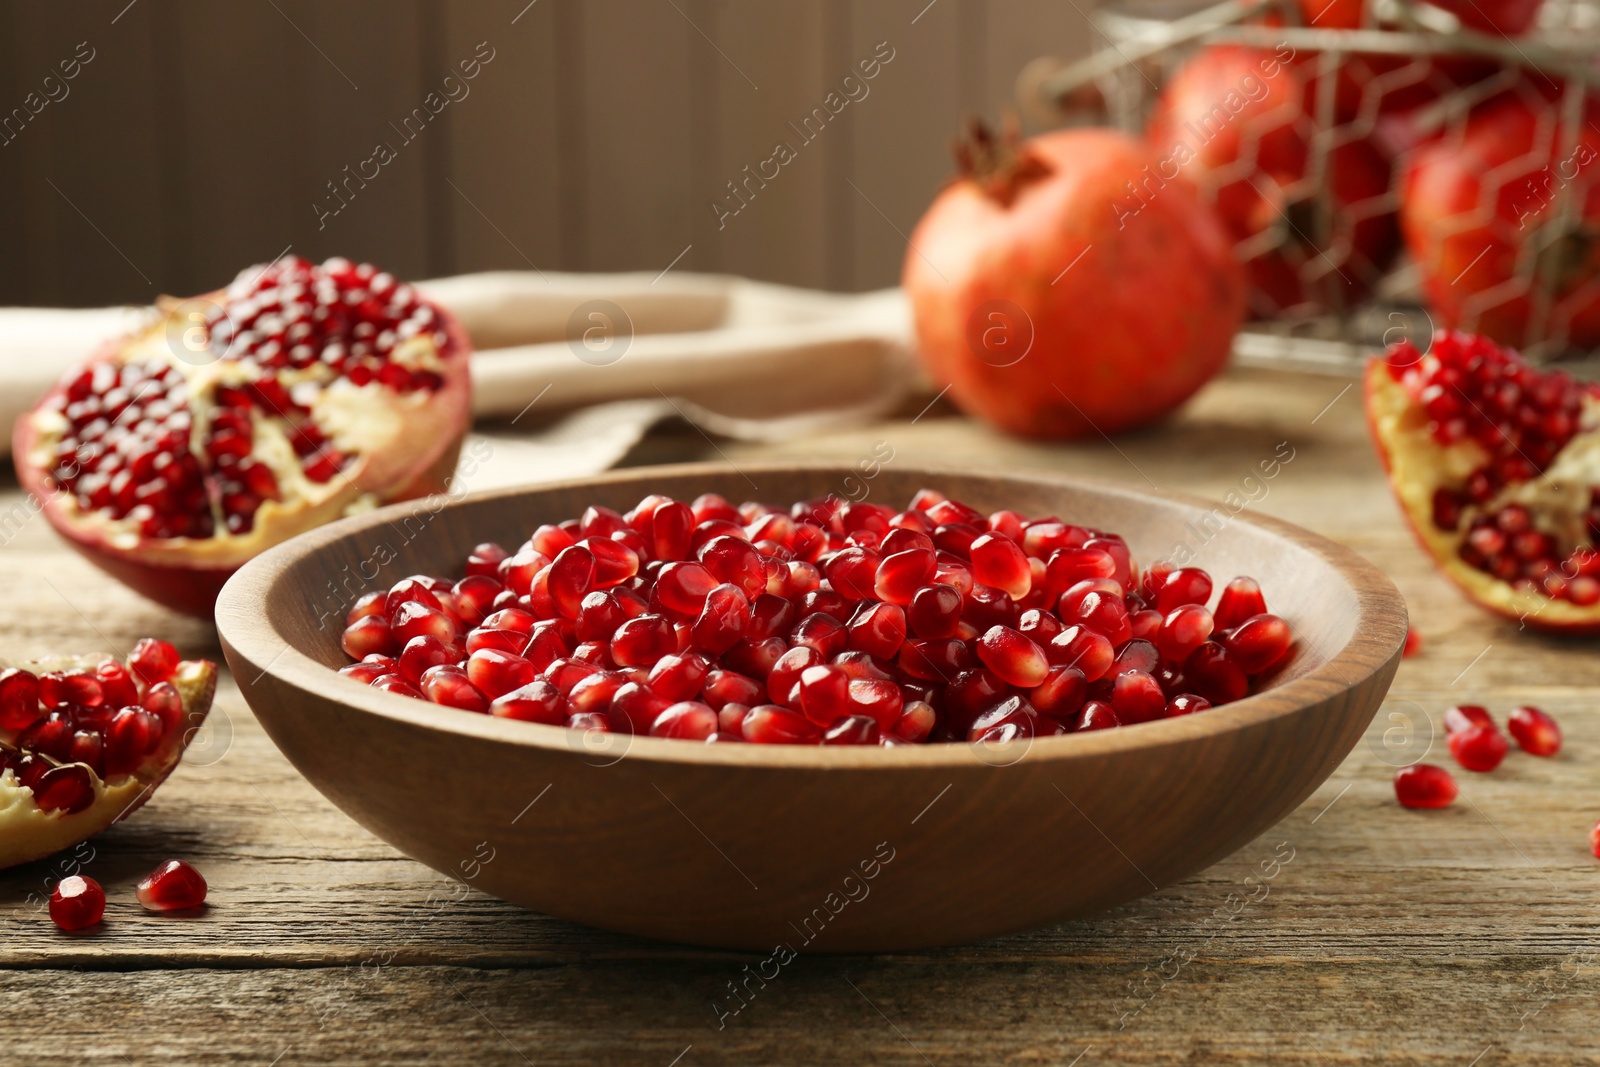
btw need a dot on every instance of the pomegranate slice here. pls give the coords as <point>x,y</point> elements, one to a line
<point>1496,466</point>
<point>237,420</point>
<point>70,769</point>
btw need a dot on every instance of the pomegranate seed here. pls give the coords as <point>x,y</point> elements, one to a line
<point>450,685</point>
<point>132,735</point>
<point>417,589</point>
<point>173,886</point>
<point>538,701</point>
<point>682,588</point>
<point>1258,643</point>
<point>678,676</point>
<point>853,730</point>
<point>1423,785</point>
<point>771,725</point>
<point>635,705</point>
<point>571,576</point>
<point>373,603</point>
<point>824,694</point>
<point>1081,647</point>
<point>77,902</point>
<point>1186,704</point>
<point>19,699</point>
<point>1062,693</point>
<point>393,683</point>
<point>642,641</point>
<point>730,721</point>
<point>485,560</point>
<point>117,686</point>
<point>998,562</point>
<point>725,620</point>
<point>729,687</point>
<point>153,660</point>
<point>1185,629</point>
<point>1136,655</point>
<point>853,572</point>
<point>1186,585</point>
<point>1013,657</point>
<point>1594,840</point>
<point>880,629</point>
<point>1098,715</point>
<point>68,789</point>
<point>1466,717</point>
<point>1104,613</point>
<point>496,673</point>
<point>1014,712</point>
<point>1536,733</point>
<point>688,720</point>
<point>1241,599</point>
<point>1137,697</point>
<point>1211,672</point>
<point>423,652</point>
<point>735,561</point>
<point>595,692</point>
<point>1479,748</point>
<point>916,721</point>
<point>412,619</point>
<point>900,576</point>
<point>1413,643</point>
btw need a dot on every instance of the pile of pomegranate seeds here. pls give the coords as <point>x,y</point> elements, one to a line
<point>1521,418</point>
<point>824,623</point>
<point>69,728</point>
<point>127,445</point>
<point>1478,745</point>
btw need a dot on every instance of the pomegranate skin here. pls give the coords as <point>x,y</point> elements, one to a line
<point>1069,266</point>
<point>189,582</point>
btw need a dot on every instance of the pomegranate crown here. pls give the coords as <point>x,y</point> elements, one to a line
<point>1000,165</point>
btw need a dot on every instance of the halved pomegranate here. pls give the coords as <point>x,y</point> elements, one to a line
<point>236,420</point>
<point>84,741</point>
<point>1497,467</point>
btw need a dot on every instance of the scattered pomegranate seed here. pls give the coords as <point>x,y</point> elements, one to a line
<point>1536,733</point>
<point>1424,785</point>
<point>173,886</point>
<point>1466,717</point>
<point>1413,643</point>
<point>1594,840</point>
<point>77,902</point>
<point>826,622</point>
<point>1478,748</point>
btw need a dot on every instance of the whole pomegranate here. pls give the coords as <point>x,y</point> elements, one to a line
<point>1065,285</point>
<point>84,741</point>
<point>1492,462</point>
<point>1309,215</point>
<point>242,418</point>
<point>1501,222</point>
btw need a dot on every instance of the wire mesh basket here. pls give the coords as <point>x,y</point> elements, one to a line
<point>1381,183</point>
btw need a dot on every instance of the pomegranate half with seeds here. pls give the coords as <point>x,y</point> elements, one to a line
<point>1497,467</point>
<point>299,394</point>
<point>84,741</point>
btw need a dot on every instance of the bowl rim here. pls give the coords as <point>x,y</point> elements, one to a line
<point>251,633</point>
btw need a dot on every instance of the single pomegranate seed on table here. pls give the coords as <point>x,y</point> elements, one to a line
<point>1413,643</point>
<point>1536,733</point>
<point>1466,717</point>
<point>173,886</point>
<point>1424,785</point>
<point>77,902</point>
<point>1478,748</point>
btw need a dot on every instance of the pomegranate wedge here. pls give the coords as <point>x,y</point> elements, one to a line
<point>84,741</point>
<point>239,419</point>
<point>1496,466</point>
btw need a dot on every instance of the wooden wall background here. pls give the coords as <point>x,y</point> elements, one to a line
<point>199,136</point>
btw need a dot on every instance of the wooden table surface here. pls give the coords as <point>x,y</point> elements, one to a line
<point>1465,936</point>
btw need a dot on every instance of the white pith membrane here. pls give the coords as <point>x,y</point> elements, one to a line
<point>27,832</point>
<point>1557,500</point>
<point>379,428</point>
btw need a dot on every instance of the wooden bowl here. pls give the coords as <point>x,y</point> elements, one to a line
<point>820,849</point>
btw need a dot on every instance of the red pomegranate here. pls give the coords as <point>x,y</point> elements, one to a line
<point>1492,463</point>
<point>239,419</point>
<point>1483,216</point>
<point>1031,280</point>
<point>84,741</point>
<point>1309,213</point>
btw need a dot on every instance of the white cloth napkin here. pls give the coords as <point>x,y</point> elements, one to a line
<point>571,370</point>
